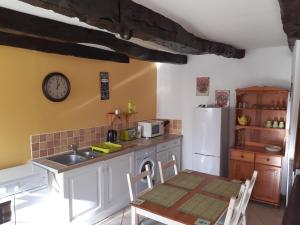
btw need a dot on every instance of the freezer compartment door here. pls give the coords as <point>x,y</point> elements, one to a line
<point>206,164</point>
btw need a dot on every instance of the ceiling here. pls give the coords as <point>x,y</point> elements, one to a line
<point>246,24</point>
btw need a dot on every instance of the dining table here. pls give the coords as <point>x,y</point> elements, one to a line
<point>189,198</point>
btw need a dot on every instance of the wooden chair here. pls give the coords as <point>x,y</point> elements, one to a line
<point>247,197</point>
<point>133,195</point>
<point>133,179</point>
<point>234,210</point>
<point>162,167</point>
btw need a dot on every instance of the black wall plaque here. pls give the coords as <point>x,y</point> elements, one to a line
<point>104,85</point>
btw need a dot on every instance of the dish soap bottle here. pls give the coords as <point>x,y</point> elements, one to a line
<point>130,107</point>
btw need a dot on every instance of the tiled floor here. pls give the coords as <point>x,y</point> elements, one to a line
<point>257,214</point>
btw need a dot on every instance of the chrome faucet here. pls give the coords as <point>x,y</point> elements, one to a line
<point>74,148</point>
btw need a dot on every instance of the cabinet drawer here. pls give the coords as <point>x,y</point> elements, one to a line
<point>268,160</point>
<point>167,145</point>
<point>242,156</point>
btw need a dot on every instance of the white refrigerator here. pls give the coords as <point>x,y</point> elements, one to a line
<point>210,140</point>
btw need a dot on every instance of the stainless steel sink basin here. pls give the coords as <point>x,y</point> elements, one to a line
<point>68,159</point>
<point>89,153</point>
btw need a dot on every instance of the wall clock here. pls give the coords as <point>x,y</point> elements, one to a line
<point>56,87</point>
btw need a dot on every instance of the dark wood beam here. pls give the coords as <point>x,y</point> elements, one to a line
<point>130,19</point>
<point>290,16</point>
<point>61,48</point>
<point>24,24</point>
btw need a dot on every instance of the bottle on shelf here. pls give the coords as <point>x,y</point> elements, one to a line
<point>275,123</point>
<point>130,107</point>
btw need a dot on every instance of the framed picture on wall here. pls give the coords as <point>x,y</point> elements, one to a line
<point>202,86</point>
<point>222,98</point>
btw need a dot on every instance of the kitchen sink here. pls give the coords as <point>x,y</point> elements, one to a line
<point>89,153</point>
<point>68,159</point>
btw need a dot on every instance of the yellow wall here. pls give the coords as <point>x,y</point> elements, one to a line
<point>25,110</point>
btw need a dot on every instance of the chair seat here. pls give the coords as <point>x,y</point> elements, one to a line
<point>149,222</point>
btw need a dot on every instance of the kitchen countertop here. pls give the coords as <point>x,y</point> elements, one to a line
<point>12,174</point>
<point>19,179</point>
<point>130,146</point>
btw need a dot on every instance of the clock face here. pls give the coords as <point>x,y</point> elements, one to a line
<point>56,87</point>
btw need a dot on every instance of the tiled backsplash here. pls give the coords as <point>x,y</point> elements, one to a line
<point>174,127</point>
<point>48,144</point>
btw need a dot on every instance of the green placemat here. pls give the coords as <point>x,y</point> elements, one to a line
<point>204,207</point>
<point>185,180</point>
<point>164,195</point>
<point>223,188</point>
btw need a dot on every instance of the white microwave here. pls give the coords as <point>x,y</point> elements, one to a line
<point>152,128</point>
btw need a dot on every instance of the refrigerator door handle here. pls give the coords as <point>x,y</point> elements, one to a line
<point>207,155</point>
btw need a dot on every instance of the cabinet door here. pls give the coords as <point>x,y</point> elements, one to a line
<point>241,170</point>
<point>84,190</point>
<point>267,185</point>
<point>116,187</point>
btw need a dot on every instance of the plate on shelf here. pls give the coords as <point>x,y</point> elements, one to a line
<point>273,148</point>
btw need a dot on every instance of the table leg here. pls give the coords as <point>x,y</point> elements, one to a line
<point>134,218</point>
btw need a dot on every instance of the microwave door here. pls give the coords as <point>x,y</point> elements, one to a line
<point>155,130</point>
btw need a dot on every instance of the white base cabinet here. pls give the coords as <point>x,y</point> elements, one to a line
<point>115,183</point>
<point>95,191</point>
<point>91,193</point>
<point>84,189</point>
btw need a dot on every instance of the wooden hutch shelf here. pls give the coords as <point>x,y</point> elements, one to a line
<point>124,117</point>
<point>260,105</point>
<point>257,109</point>
<point>260,128</point>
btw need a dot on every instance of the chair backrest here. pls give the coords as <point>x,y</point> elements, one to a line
<point>164,166</point>
<point>249,191</point>
<point>133,179</point>
<point>234,210</point>
<point>237,206</point>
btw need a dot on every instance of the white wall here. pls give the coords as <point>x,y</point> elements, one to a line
<point>294,112</point>
<point>176,92</point>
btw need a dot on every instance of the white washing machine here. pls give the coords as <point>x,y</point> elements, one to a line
<point>142,158</point>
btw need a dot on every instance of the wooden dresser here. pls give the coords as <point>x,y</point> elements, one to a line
<point>260,105</point>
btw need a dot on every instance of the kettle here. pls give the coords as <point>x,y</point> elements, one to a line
<point>243,120</point>
<point>111,136</point>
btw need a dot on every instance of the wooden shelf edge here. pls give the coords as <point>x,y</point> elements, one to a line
<point>237,127</point>
<point>258,149</point>
<point>262,90</point>
<point>125,115</point>
<point>253,109</point>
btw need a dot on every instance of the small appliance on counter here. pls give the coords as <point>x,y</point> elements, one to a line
<point>112,136</point>
<point>128,134</point>
<point>152,128</point>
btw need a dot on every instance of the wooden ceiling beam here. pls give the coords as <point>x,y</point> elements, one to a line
<point>60,48</point>
<point>130,19</point>
<point>24,24</point>
<point>290,17</point>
